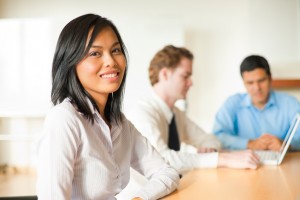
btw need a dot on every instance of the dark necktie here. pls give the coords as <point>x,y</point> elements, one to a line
<point>173,136</point>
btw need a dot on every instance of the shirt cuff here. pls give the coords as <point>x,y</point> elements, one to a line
<point>208,160</point>
<point>188,148</point>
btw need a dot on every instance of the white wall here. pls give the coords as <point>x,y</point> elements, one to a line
<point>220,33</point>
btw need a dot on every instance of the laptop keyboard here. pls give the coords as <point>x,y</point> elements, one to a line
<point>267,155</point>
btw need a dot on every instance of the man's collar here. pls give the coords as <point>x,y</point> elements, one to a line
<point>248,103</point>
<point>163,107</point>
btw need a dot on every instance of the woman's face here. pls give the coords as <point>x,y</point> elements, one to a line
<point>102,70</point>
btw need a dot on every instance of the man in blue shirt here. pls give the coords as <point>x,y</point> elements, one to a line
<point>260,118</point>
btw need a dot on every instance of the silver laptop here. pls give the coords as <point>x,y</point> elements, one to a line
<point>268,157</point>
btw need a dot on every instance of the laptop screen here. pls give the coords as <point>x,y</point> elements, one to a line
<point>289,136</point>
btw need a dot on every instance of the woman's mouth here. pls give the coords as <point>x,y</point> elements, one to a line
<point>108,76</point>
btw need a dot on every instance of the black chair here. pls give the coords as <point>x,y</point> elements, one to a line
<point>19,198</point>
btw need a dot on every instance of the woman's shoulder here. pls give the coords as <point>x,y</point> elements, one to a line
<point>125,123</point>
<point>63,111</point>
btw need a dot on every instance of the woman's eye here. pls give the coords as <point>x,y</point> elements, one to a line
<point>116,51</point>
<point>95,53</point>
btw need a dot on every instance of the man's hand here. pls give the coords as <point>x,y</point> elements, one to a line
<point>265,142</point>
<point>274,143</point>
<point>238,159</point>
<point>258,144</point>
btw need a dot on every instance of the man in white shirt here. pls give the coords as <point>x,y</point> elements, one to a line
<point>170,75</point>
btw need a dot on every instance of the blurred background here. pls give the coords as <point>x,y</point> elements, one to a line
<point>219,33</point>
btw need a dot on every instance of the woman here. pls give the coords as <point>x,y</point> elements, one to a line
<point>88,145</point>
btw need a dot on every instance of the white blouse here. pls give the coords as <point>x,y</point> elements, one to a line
<point>81,160</point>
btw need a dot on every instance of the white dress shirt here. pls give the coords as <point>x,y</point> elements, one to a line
<point>151,116</point>
<point>80,160</point>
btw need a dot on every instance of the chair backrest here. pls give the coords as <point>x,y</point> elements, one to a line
<point>19,198</point>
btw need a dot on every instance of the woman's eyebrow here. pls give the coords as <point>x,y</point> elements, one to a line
<point>99,46</point>
<point>96,46</point>
<point>116,43</point>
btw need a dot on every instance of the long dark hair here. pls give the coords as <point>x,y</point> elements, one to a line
<point>70,50</point>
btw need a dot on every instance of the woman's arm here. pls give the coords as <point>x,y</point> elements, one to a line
<point>163,179</point>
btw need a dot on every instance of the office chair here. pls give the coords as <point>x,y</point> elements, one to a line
<point>19,198</point>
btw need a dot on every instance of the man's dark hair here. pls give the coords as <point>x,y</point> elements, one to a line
<point>253,62</point>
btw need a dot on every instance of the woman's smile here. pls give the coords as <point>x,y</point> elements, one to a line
<point>110,75</point>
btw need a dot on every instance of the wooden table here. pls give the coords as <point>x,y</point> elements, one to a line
<point>266,183</point>
<point>21,184</point>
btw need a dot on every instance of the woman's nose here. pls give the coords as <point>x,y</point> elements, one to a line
<point>108,60</point>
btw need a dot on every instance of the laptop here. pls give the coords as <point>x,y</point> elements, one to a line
<point>268,157</point>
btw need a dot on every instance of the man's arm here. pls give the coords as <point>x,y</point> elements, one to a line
<point>295,107</point>
<point>195,135</point>
<point>239,159</point>
<point>225,125</point>
<point>156,131</point>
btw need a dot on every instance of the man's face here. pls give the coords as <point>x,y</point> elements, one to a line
<point>258,85</point>
<point>179,79</point>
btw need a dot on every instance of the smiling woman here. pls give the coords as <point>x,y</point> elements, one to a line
<point>26,53</point>
<point>102,70</point>
<point>88,146</point>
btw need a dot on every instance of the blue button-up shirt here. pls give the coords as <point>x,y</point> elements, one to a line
<point>239,121</point>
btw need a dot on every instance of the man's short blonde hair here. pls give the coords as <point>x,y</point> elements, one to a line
<point>168,57</point>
